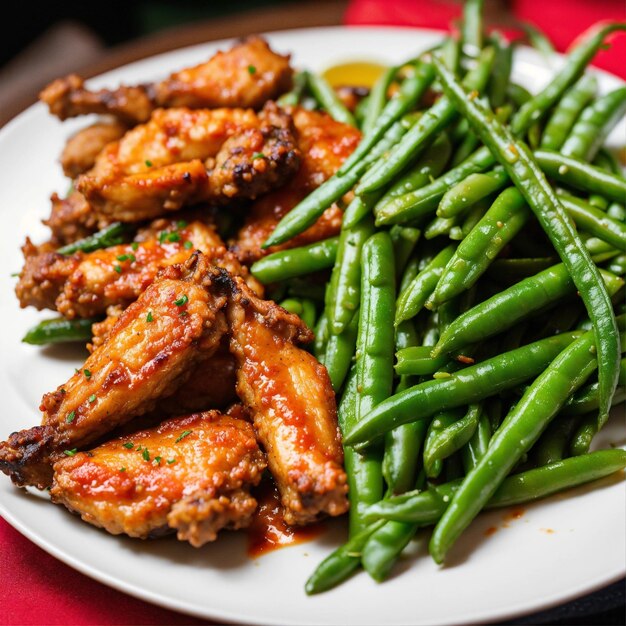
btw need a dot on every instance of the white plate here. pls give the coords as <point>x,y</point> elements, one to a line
<point>558,549</point>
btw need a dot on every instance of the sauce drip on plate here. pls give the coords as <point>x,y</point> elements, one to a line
<point>268,530</point>
<point>354,74</point>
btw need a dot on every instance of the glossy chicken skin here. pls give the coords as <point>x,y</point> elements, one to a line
<point>177,322</point>
<point>87,284</point>
<point>247,75</point>
<point>192,474</point>
<point>324,145</point>
<point>292,404</point>
<point>183,156</point>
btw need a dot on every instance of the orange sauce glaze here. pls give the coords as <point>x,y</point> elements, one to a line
<point>268,530</point>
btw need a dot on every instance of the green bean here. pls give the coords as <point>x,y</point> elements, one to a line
<point>499,81</point>
<point>340,564</point>
<point>415,204</point>
<point>401,458</point>
<point>472,28</point>
<point>434,120</point>
<point>440,226</point>
<point>296,261</point>
<point>417,361</point>
<point>328,99</point>
<point>581,175</point>
<point>504,219</point>
<point>539,40</point>
<point>413,298</point>
<point>518,94</point>
<point>528,177</point>
<point>586,400</point>
<point>345,282</point>
<point>404,240</point>
<point>510,306</point>
<point>577,60</point>
<point>293,97</point>
<point>112,235</point>
<point>429,165</point>
<point>339,352</point>
<point>306,213</point>
<point>383,547</point>
<point>374,361</point>
<point>411,90</point>
<point>378,98</point>
<point>513,270</point>
<point>321,339</point>
<point>594,124</point>
<point>618,265</point>
<point>476,447</point>
<point>566,112</point>
<point>553,443</point>
<point>520,429</point>
<point>595,221</point>
<point>60,330</point>
<point>468,385</point>
<point>426,507</point>
<point>452,436</point>
<point>459,198</point>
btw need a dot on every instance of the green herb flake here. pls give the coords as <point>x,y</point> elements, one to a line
<point>87,373</point>
<point>70,417</point>
<point>184,434</point>
<point>92,398</point>
<point>156,460</point>
<point>173,237</point>
<point>188,245</point>
<point>135,246</point>
<point>146,454</point>
<point>129,445</point>
<point>122,469</point>
<point>122,257</point>
<point>181,224</point>
<point>182,300</point>
<point>71,452</point>
<point>258,155</point>
<point>170,461</point>
<point>148,163</point>
<point>149,317</point>
<point>162,236</point>
<point>118,268</point>
<point>251,69</point>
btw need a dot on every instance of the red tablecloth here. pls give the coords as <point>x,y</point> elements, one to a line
<point>36,588</point>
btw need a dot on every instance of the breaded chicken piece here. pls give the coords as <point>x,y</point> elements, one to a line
<point>292,403</point>
<point>247,75</point>
<point>86,284</point>
<point>324,145</point>
<point>71,218</point>
<point>183,156</point>
<point>82,148</point>
<point>191,474</point>
<point>177,322</point>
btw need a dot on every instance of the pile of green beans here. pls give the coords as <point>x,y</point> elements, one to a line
<point>472,323</point>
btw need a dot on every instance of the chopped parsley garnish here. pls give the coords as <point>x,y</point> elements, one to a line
<point>71,452</point>
<point>70,417</point>
<point>92,398</point>
<point>122,469</point>
<point>87,373</point>
<point>126,257</point>
<point>170,461</point>
<point>251,69</point>
<point>181,224</point>
<point>129,445</point>
<point>135,246</point>
<point>184,434</point>
<point>118,268</point>
<point>148,163</point>
<point>145,454</point>
<point>156,460</point>
<point>188,245</point>
<point>173,237</point>
<point>258,155</point>
<point>182,300</point>
<point>149,317</point>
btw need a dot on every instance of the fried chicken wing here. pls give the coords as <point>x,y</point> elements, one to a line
<point>324,145</point>
<point>175,323</point>
<point>292,403</point>
<point>183,156</point>
<point>72,218</point>
<point>87,284</point>
<point>247,75</point>
<point>82,148</point>
<point>191,474</point>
